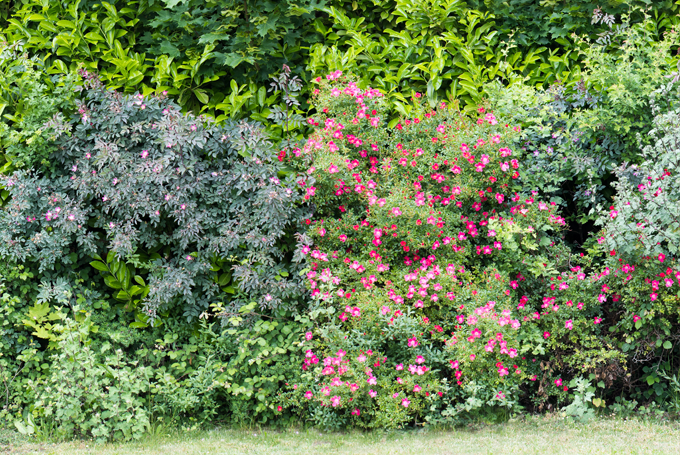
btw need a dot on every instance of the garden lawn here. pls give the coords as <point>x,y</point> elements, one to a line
<point>541,435</point>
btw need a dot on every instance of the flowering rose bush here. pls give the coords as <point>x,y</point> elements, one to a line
<point>199,208</point>
<point>425,245</point>
<point>439,185</point>
<point>367,388</point>
<point>640,240</point>
<point>423,239</point>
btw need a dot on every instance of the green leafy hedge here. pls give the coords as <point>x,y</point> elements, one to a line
<point>194,49</point>
<point>422,257</point>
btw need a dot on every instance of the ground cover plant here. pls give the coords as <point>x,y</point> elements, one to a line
<point>474,232</point>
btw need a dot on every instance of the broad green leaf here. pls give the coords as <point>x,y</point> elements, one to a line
<point>111,9</point>
<point>99,266</point>
<point>224,279</point>
<point>261,95</point>
<point>170,49</point>
<point>112,282</point>
<point>135,78</point>
<point>39,310</point>
<point>202,96</point>
<point>66,24</point>
<point>59,66</point>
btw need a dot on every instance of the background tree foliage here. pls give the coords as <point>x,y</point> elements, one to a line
<point>195,48</point>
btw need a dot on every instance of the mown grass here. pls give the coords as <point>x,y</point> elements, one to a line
<point>539,435</point>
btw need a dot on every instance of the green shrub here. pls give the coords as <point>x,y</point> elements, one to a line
<point>214,56</point>
<point>548,23</point>
<point>18,289</point>
<point>576,135</point>
<point>28,100</point>
<point>644,218</point>
<point>92,393</point>
<point>426,250</point>
<point>175,196</point>
<point>417,230</point>
<point>33,307</point>
<point>452,50</point>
